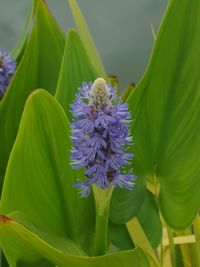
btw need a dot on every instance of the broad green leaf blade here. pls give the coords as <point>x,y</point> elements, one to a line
<point>125,204</point>
<point>16,249</point>
<point>39,67</point>
<point>76,68</point>
<point>166,108</point>
<point>20,47</point>
<point>39,178</point>
<point>87,39</point>
<point>120,237</point>
<point>33,241</point>
<point>3,261</point>
<point>147,209</point>
<point>149,220</point>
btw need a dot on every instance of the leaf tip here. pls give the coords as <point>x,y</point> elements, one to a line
<point>34,94</point>
<point>4,219</point>
<point>42,1</point>
<point>72,31</point>
<point>112,78</point>
<point>71,2</point>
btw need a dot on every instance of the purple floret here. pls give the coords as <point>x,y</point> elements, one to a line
<point>100,134</point>
<point>7,69</point>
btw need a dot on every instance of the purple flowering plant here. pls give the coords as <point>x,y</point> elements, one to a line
<point>7,70</point>
<point>101,137</point>
<point>68,163</point>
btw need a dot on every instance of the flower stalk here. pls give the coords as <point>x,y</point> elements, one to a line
<point>102,204</point>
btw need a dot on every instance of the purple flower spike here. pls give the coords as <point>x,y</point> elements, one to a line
<point>100,135</point>
<point>7,69</point>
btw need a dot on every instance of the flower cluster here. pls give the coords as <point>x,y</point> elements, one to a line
<point>7,69</point>
<point>100,136</point>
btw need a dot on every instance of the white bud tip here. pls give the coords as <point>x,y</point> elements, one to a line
<point>99,85</point>
<point>100,93</point>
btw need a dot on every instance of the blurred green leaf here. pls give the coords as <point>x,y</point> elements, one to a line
<point>76,68</point>
<point>3,261</point>
<point>114,82</point>
<point>129,90</point>
<point>18,51</point>
<point>39,67</point>
<point>87,39</point>
<point>29,243</point>
<point>166,108</point>
<point>39,178</point>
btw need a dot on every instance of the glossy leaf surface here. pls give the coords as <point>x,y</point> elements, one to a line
<point>41,187</point>
<point>39,178</point>
<point>166,110</point>
<point>147,214</point>
<point>39,67</point>
<point>76,68</point>
<point>17,52</point>
<point>29,242</point>
<point>87,39</point>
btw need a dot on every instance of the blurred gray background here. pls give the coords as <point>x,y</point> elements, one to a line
<point>121,29</point>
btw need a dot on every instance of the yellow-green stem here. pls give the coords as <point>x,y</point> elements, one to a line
<point>171,246</point>
<point>197,236</point>
<point>185,248</point>
<point>140,239</point>
<point>102,203</point>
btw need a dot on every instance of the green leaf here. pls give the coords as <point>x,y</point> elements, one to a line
<point>76,68</point>
<point>3,261</point>
<point>147,209</point>
<point>151,226</point>
<point>87,39</point>
<point>114,82</point>
<point>39,178</point>
<point>15,229</point>
<point>126,204</point>
<point>20,47</point>
<point>166,108</point>
<point>129,90</point>
<point>120,237</point>
<point>27,243</point>
<point>39,67</point>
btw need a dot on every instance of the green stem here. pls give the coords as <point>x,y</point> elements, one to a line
<point>140,239</point>
<point>102,203</point>
<point>197,243</point>
<point>185,248</point>
<point>171,246</point>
